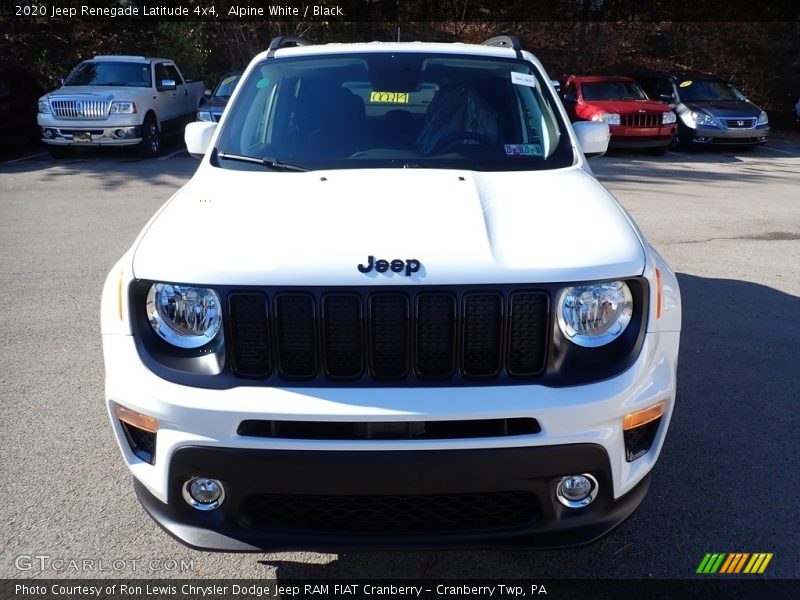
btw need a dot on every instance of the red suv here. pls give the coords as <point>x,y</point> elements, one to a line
<point>635,121</point>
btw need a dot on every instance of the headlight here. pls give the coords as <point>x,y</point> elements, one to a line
<point>122,107</point>
<point>762,118</point>
<point>667,118</point>
<point>595,314</point>
<point>204,115</point>
<point>184,316</point>
<point>610,118</point>
<point>44,107</point>
<point>703,119</point>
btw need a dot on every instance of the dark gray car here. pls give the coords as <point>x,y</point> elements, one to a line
<point>710,110</point>
<point>213,107</point>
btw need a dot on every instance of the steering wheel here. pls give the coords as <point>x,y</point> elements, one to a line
<point>460,136</point>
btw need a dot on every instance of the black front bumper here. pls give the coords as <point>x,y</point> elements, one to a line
<point>278,500</point>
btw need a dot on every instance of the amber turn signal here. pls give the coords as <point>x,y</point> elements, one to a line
<point>643,417</point>
<point>136,419</point>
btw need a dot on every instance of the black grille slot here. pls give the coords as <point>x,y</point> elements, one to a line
<point>483,330</point>
<point>342,335</point>
<point>527,329</point>
<point>393,430</point>
<point>389,335</point>
<point>250,334</point>
<point>417,513</point>
<point>436,335</point>
<point>296,335</point>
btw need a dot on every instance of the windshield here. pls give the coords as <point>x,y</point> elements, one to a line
<point>227,85</point>
<point>612,90</point>
<point>395,110</point>
<point>707,90</point>
<point>126,74</point>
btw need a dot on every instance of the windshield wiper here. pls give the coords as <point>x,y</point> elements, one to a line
<point>267,162</point>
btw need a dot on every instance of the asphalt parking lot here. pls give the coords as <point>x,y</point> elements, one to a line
<point>727,481</point>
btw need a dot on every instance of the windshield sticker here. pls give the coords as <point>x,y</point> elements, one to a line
<point>523,149</point>
<point>262,83</point>
<point>523,79</point>
<point>685,83</point>
<point>228,80</point>
<point>389,97</point>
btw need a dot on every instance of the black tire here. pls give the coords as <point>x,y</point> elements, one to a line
<point>60,151</point>
<point>152,142</point>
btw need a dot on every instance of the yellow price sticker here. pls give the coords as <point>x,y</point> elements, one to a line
<point>685,83</point>
<point>389,97</point>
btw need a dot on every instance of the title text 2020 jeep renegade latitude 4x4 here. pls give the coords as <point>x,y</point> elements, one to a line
<point>392,308</point>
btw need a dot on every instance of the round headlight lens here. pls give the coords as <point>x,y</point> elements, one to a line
<point>186,317</point>
<point>595,314</point>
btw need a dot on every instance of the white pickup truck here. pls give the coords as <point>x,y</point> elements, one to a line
<point>118,101</point>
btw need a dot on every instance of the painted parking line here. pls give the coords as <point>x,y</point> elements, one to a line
<point>777,150</point>
<point>11,162</point>
<point>172,154</point>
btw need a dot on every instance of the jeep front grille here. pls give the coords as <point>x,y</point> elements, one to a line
<point>80,109</point>
<point>651,119</point>
<point>386,335</point>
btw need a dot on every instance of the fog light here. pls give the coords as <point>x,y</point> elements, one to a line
<point>575,491</point>
<point>203,494</point>
<point>119,133</point>
<point>48,133</point>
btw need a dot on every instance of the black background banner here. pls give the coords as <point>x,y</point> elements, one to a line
<point>717,587</point>
<point>401,10</point>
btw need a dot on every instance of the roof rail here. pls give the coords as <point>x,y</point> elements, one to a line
<point>506,41</point>
<point>285,41</point>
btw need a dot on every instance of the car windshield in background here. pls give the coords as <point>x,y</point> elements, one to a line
<point>227,85</point>
<point>612,90</point>
<point>125,74</point>
<point>394,110</point>
<point>707,90</point>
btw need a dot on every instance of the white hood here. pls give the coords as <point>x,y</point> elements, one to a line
<point>230,227</point>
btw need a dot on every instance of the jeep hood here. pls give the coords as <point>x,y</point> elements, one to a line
<point>625,107</point>
<point>231,227</point>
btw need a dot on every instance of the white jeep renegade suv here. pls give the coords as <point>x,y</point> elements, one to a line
<point>393,308</point>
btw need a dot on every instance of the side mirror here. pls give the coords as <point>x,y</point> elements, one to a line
<point>665,97</point>
<point>60,82</point>
<point>167,85</point>
<point>593,137</point>
<point>207,94</point>
<point>198,137</point>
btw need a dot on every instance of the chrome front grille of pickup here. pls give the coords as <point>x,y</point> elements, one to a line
<point>74,108</point>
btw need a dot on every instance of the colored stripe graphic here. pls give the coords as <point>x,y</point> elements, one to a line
<point>734,562</point>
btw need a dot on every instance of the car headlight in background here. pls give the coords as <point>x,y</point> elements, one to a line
<point>122,107</point>
<point>44,107</point>
<point>596,314</point>
<point>204,115</point>
<point>610,118</point>
<point>703,119</point>
<point>762,118</point>
<point>668,118</point>
<point>186,317</point>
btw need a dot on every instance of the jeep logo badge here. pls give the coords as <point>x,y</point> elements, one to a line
<point>410,265</point>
